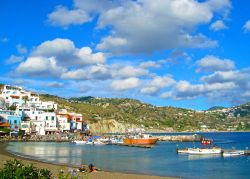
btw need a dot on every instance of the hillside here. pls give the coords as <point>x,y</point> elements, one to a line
<point>109,114</point>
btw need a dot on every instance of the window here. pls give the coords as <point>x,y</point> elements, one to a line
<point>15,121</point>
<point>47,118</point>
<point>52,118</point>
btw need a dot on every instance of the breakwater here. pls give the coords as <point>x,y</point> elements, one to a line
<point>180,138</point>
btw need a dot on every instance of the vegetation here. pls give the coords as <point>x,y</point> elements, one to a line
<point>130,111</point>
<point>16,169</point>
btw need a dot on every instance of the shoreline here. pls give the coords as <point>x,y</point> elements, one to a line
<point>55,168</point>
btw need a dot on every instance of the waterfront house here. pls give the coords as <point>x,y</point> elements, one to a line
<point>13,118</point>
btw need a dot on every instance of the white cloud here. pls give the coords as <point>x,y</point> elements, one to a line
<point>64,17</point>
<point>157,84</point>
<point>21,49</point>
<point>67,54</point>
<point>150,64</point>
<point>171,24</point>
<point>130,71</point>
<point>125,84</point>
<point>96,72</point>
<point>218,25</point>
<point>185,90</point>
<point>211,63</point>
<point>14,59</point>
<point>145,26</point>
<point>79,74</point>
<point>246,26</point>
<point>40,67</point>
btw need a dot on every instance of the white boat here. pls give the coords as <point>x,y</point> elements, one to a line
<point>79,142</point>
<point>200,151</point>
<point>94,142</point>
<point>233,153</point>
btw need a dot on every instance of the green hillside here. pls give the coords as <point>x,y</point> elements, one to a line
<point>130,111</point>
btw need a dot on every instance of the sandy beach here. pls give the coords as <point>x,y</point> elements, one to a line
<point>4,155</point>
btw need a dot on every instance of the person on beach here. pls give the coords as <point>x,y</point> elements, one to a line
<point>91,168</point>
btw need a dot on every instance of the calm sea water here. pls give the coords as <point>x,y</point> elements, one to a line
<point>161,160</point>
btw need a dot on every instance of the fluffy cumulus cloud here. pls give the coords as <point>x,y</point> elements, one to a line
<point>67,54</point>
<point>156,84</point>
<point>96,72</point>
<point>171,24</point>
<point>246,26</point>
<point>144,26</point>
<point>125,84</point>
<point>212,63</point>
<point>40,67</point>
<point>129,71</point>
<point>185,90</point>
<point>218,25</point>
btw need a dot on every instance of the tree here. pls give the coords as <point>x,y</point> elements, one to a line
<point>25,98</point>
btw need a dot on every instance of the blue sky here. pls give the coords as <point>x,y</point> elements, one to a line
<point>183,53</point>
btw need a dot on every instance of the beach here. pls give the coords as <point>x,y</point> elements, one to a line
<point>4,156</point>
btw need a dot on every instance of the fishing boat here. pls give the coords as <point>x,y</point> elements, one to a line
<point>140,139</point>
<point>213,150</point>
<point>233,153</point>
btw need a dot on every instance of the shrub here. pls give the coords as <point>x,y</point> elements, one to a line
<point>16,170</point>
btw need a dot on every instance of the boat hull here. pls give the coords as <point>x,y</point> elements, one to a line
<point>200,151</point>
<point>140,141</point>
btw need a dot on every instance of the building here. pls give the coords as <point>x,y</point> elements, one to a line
<point>13,118</point>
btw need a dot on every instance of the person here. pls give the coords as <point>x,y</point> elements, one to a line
<point>91,168</point>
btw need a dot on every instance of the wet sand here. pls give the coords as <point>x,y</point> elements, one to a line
<point>4,155</point>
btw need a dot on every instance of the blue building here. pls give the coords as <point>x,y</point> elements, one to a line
<point>13,118</point>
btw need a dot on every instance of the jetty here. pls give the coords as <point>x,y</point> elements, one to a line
<point>180,138</point>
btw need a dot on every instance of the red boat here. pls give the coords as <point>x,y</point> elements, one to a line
<point>206,141</point>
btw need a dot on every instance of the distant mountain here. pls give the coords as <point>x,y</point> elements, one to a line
<point>113,114</point>
<point>216,108</point>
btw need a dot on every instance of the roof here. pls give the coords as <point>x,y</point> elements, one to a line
<point>4,125</point>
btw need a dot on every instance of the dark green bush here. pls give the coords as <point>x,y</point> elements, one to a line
<point>14,169</point>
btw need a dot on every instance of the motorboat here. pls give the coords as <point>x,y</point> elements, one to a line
<point>79,142</point>
<point>233,153</point>
<point>200,151</point>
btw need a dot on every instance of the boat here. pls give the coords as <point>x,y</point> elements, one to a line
<point>213,150</point>
<point>140,139</point>
<point>206,141</point>
<point>79,142</point>
<point>233,153</point>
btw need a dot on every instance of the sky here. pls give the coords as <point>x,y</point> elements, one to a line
<point>182,53</point>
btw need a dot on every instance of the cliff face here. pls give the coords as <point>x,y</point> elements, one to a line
<point>109,126</point>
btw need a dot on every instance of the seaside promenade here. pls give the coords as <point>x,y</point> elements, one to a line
<point>4,156</point>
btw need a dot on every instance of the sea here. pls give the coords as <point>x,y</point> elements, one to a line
<point>161,160</point>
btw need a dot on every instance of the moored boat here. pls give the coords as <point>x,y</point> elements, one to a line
<point>214,150</point>
<point>142,139</point>
<point>79,142</point>
<point>233,153</point>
